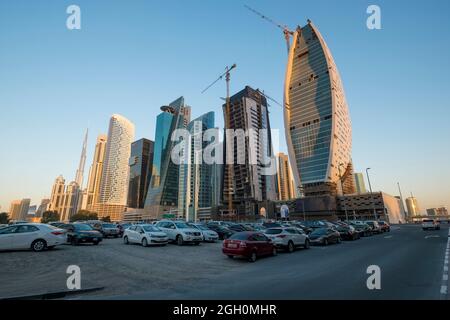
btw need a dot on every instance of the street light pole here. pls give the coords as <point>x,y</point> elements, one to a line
<point>343,193</point>
<point>371,194</point>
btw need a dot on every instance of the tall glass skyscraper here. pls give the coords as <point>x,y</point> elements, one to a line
<point>197,183</point>
<point>115,175</point>
<point>162,195</point>
<point>317,121</point>
<point>141,163</point>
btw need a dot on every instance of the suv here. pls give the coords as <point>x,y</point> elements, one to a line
<point>430,224</point>
<point>180,232</point>
<point>288,238</point>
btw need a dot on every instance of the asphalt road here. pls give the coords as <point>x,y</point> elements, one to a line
<point>411,263</point>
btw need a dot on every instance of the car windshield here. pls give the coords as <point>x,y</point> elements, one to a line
<point>181,225</point>
<point>319,232</point>
<point>82,227</point>
<point>150,229</point>
<point>273,231</point>
<point>108,225</point>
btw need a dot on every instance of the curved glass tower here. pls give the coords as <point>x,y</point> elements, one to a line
<point>317,121</point>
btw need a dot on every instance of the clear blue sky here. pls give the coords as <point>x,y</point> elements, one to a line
<point>131,57</point>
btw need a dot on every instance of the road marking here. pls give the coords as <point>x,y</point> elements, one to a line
<point>433,236</point>
<point>445,268</point>
<point>444,286</point>
<point>388,237</point>
<point>445,277</point>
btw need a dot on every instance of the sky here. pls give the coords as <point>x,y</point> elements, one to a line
<point>131,57</point>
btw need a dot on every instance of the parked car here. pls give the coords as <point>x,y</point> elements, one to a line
<point>180,232</point>
<point>432,224</point>
<point>362,228</point>
<point>288,238</point>
<point>248,244</point>
<point>3,226</point>
<point>82,233</point>
<point>385,227</point>
<point>325,236</point>
<point>208,234</point>
<point>347,232</point>
<point>122,227</point>
<point>145,234</point>
<point>34,236</point>
<point>107,229</point>
<point>222,231</point>
<point>375,227</point>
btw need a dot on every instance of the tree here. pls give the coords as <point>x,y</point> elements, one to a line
<point>50,216</point>
<point>106,219</point>
<point>4,218</point>
<point>84,215</point>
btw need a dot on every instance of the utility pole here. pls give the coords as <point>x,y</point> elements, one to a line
<point>402,207</point>
<point>371,194</point>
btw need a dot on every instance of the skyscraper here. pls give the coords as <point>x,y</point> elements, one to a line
<point>162,195</point>
<point>141,164</point>
<point>115,174</point>
<point>70,201</point>
<point>359,183</point>
<point>317,121</point>
<point>285,181</point>
<point>57,195</point>
<point>24,207</point>
<point>413,206</point>
<point>249,187</point>
<point>14,210</point>
<point>42,207</point>
<point>95,173</point>
<point>196,189</point>
<point>80,171</point>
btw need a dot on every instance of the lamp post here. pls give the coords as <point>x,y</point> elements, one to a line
<point>343,193</point>
<point>371,194</point>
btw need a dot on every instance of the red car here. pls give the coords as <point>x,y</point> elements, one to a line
<point>248,244</point>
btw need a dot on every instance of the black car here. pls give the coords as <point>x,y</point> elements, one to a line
<point>237,228</point>
<point>223,232</point>
<point>347,232</point>
<point>82,233</point>
<point>324,236</point>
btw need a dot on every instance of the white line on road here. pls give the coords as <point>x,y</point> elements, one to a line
<point>388,237</point>
<point>433,236</point>
<point>443,289</point>
<point>445,277</point>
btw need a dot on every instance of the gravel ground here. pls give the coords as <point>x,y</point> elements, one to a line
<point>121,269</point>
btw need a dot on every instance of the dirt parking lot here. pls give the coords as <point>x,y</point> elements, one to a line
<point>121,269</point>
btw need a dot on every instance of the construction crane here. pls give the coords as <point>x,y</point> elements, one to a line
<point>287,33</point>
<point>227,76</point>
<point>271,99</point>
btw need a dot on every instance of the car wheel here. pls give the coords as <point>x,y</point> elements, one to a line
<point>144,242</point>
<point>252,257</point>
<point>290,247</point>
<point>38,245</point>
<point>306,245</point>
<point>274,251</point>
<point>74,241</point>
<point>125,240</point>
<point>338,240</point>
<point>180,240</point>
<point>196,243</point>
<point>325,242</point>
<point>95,243</point>
<point>230,256</point>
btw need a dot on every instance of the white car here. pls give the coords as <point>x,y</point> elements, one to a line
<point>208,234</point>
<point>34,236</point>
<point>145,234</point>
<point>180,232</point>
<point>288,238</point>
<point>430,224</point>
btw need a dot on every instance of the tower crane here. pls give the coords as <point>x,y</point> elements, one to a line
<point>286,31</point>
<point>227,76</point>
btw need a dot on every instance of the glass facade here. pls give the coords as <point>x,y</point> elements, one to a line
<point>317,121</point>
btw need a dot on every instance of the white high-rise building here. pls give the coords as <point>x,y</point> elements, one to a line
<point>57,195</point>
<point>95,173</point>
<point>115,175</point>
